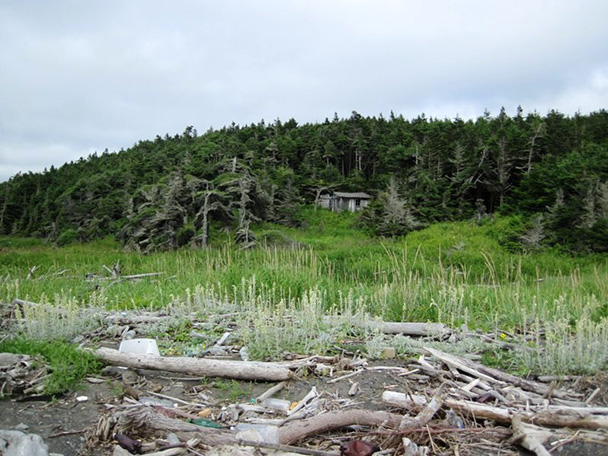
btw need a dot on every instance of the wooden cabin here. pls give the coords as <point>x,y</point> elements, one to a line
<point>344,201</point>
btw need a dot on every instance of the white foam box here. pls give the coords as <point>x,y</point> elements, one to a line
<point>139,346</point>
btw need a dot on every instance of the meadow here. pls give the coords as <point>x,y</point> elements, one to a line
<point>459,273</point>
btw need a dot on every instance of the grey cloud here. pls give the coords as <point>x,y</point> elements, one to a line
<point>82,76</point>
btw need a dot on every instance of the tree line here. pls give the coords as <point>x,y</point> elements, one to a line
<point>551,171</point>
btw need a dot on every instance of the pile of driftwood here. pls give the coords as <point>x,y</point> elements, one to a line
<point>436,403</point>
<point>452,405</point>
<point>21,375</point>
<point>540,415</point>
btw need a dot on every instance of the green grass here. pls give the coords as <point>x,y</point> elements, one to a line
<point>68,364</point>
<point>234,391</point>
<point>450,272</point>
<point>456,273</point>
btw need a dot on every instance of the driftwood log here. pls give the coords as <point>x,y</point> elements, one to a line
<point>296,430</point>
<point>240,370</point>
<point>415,329</point>
<point>409,329</point>
<point>528,435</point>
<point>526,439</point>
<point>118,451</point>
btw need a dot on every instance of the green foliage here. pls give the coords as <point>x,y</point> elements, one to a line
<point>507,231</point>
<point>571,193</point>
<point>566,348</point>
<point>456,270</point>
<point>277,238</point>
<point>445,170</point>
<point>452,272</point>
<point>68,364</point>
<point>272,329</point>
<point>185,234</point>
<point>595,239</point>
<point>390,215</point>
<point>233,391</point>
<point>66,237</point>
<point>20,243</point>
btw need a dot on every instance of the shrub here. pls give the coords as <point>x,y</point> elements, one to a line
<point>66,237</point>
<point>185,235</point>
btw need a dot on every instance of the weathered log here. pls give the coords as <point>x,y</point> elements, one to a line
<point>410,329</point>
<point>526,439</point>
<point>555,437</point>
<point>128,277</point>
<point>135,319</point>
<point>463,364</point>
<point>528,385</point>
<point>284,449</point>
<point>271,392</point>
<point>566,420</point>
<point>557,378</point>
<point>405,401</point>
<point>426,414</point>
<point>416,329</point>
<point>240,370</point>
<point>118,451</point>
<point>296,430</point>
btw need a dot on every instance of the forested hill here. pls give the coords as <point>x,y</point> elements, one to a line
<point>163,193</point>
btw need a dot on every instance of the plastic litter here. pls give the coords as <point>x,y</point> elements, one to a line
<point>453,419</point>
<point>277,404</point>
<point>257,432</point>
<point>156,401</point>
<point>140,346</point>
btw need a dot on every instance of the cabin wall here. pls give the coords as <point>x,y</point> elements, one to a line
<point>338,203</point>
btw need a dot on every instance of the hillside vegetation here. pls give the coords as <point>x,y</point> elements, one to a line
<point>498,224</point>
<point>458,273</point>
<point>549,174</point>
<point>450,272</point>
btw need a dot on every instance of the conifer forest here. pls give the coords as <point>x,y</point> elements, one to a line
<point>550,171</point>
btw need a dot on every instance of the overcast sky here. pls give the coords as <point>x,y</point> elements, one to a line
<point>79,76</point>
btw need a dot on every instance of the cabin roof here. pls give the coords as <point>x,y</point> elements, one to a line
<point>360,195</point>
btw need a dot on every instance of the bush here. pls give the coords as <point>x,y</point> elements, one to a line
<point>66,237</point>
<point>185,235</point>
<point>508,231</point>
<point>596,238</point>
<point>277,238</point>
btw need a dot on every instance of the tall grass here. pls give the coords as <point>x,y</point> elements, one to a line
<point>456,273</point>
<point>448,272</point>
